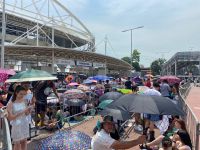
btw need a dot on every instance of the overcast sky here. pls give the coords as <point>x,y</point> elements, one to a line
<point>169,25</point>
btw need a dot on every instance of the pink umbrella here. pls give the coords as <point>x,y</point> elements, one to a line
<point>73,84</point>
<point>4,73</point>
<point>7,71</point>
<point>170,79</point>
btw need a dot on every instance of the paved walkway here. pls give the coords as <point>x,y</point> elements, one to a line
<point>193,100</point>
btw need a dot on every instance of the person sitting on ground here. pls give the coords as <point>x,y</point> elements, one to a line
<point>114,134</point>
<point>55,118</point>
<point>166,144</point>
<point>103,141</point>
<point>177,124</point>
<point>182,140</point>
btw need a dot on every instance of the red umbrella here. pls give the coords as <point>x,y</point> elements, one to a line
<point>170,79</point>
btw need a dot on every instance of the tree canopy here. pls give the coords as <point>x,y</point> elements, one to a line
<point>156,66</point>
<point>135,59</point>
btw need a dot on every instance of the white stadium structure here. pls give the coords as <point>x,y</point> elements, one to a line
<point>44,34</point>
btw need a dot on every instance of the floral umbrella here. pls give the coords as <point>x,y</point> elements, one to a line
<point>170,79</point>
<point>66,140</point>
<point>4,73</point>
<point>83,87</point>
<point>73,94</point>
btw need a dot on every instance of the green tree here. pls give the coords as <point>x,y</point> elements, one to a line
<point>136,66</point>
<point>126,59</point>
<point>136,56</point>
<point>135,60</point>
<point>157,65</point>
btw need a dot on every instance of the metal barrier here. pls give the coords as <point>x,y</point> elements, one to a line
<point>5,140</point>
<point>192,123</point>
<point>184,90</point>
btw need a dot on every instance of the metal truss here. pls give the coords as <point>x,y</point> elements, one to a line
<point>44,21</point>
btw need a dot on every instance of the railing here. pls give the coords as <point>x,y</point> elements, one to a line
<point>192,123</point>
<point>5,140</point>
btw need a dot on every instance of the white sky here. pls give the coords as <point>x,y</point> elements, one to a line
<point>169,25</point>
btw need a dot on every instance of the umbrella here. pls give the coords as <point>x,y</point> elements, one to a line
<point>72,94</point>
<point>31,75</point>
<point>69,78</point>
<point>101,77</point>
<point>83,87</point>
<point>103,104</point>
<point>4,74</point>
<point>170,79</point>
<point>125,91</point>
<point>116,113</point>
<point>73,84</point>
<point>82,76</point>
<point>7,71</point>
<point>146,104</point>
<point>73,91</point>
<point>75,102</point>
<point>110,95</point>
<point>88,81</point>
<point>143,88</point>
<point>66,140</point>
<point>61,90</point>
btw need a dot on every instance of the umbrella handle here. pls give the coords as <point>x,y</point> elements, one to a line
<point>143,125</point>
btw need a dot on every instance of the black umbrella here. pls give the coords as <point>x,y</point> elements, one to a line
<point>146,104</point>
<point>75,102</point>
<point>116,113</point>
<point>110,95</point>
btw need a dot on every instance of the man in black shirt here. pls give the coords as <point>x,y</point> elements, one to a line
<point>42,90</point>
<point>128,84</point>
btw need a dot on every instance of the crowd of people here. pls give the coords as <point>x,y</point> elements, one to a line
<point>23,97</point>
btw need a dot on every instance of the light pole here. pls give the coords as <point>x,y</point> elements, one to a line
<point>132,41</point>
<point>3,34</point>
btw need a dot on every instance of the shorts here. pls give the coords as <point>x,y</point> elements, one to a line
<point>40,107</point>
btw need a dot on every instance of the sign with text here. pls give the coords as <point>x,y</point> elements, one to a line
<point>98,65</point>
<point>65,62</point>
<point>83,63</point>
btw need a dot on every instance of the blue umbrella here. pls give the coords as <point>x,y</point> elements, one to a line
<point>101,77</point>
<point>66,140</point>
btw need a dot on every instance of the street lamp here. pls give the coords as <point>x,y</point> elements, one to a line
<point>132,41</point>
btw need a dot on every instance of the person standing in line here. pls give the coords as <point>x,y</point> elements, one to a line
<point>41,91</point>
<point>165,89</point>
<point>17,115</point>
<point>128,84</point>
<point>107,87</point>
